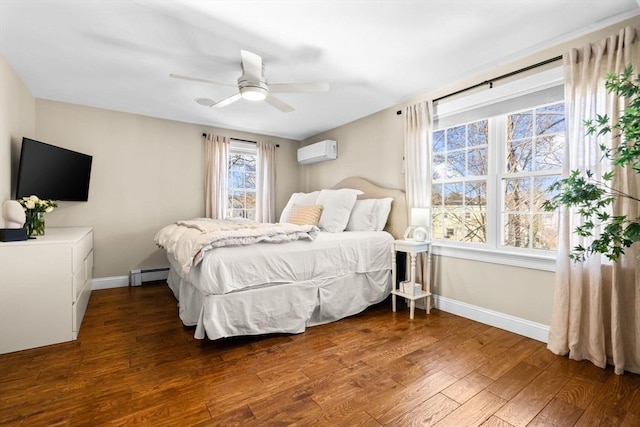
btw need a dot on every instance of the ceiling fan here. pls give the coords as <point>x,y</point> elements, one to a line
<point>253,86</point>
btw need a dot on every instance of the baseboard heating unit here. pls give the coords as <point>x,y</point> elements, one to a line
<point>138,277</point>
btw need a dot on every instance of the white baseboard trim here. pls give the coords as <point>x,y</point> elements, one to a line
<point>110,282</point>
<point>527,328</point>
<point>153,275</point>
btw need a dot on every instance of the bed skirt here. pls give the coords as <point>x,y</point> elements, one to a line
<point>278,308</point>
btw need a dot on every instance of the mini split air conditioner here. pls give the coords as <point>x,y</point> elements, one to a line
<point>318,152</point>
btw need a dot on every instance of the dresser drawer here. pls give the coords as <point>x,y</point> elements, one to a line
<point>83,275</point>
<point>81,249</point>
<point>79,308</point>
<point>90,267</point>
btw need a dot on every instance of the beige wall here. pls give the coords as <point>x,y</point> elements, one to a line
<point>146,173</point>
<point>518,292</point>
<point>372,147</point>
<point>17,119</point>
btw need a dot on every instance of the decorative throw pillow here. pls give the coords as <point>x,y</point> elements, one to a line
<point>337,208</point>
<point>298,199</point>
<point>305,214</point>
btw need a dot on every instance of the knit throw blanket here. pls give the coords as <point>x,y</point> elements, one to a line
<point>188,240</point>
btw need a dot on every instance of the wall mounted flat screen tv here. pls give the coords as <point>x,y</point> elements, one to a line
<point>51,172</point>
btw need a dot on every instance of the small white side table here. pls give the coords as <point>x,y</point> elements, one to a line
<point>412,248</point>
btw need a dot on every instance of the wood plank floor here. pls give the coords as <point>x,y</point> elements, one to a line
<point>135,364</point>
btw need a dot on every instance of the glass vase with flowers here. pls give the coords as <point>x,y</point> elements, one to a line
<point>35,209</point>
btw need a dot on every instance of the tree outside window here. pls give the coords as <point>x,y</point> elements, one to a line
<point>532,163</point>
<point>459,188</point>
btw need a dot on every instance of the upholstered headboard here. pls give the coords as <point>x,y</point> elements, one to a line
<point>397,222</point>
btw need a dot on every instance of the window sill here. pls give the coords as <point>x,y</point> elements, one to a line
<point>494,256</point>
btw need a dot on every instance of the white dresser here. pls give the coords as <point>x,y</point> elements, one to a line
<point>45,285</point>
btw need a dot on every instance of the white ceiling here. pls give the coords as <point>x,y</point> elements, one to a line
<point>375,54</point>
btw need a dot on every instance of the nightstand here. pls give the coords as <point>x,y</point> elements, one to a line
<point>412,248</point>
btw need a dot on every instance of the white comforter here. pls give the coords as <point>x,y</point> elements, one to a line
<point>329,256</point>
<point>188,240</point>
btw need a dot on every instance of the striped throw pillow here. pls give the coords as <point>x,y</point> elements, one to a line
<point>305,214</point>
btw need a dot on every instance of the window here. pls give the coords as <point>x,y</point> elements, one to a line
<point>242,180</point>
<point>490,178</point>
<point>459,189</point>
<point>532,162</point>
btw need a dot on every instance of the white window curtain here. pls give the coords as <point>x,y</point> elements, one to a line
<point>417,162</point>
<point>596,314</point>
<point>216,165</point>
<point>417,154</point>
<point>266,183</point>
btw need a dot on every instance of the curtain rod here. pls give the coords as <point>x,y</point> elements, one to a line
<point>490,81</point>
<point>242,140</point>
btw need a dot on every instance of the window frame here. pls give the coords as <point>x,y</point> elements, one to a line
<point>240,147</point>
<point>462,179</point>
<point>503,175</point>
<point>493,251</point>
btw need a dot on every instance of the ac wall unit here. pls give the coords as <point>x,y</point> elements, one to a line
<point>318,152</point>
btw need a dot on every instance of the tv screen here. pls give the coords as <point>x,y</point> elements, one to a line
<point>51,172</point>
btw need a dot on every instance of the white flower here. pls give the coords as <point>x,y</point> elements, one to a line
<point>34,204</point>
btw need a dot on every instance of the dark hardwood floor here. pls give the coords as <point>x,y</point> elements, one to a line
<point>135,364</point>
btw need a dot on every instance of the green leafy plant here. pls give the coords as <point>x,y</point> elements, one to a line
<point>593,198</point>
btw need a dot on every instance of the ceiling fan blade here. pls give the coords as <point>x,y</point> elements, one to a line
<point>196,79</point>
<point>298,87</point>
<point>252,66</point>
<point>211,103</point>
<point>275,102</point>
<point>205,101</point>
<point>227,101</point>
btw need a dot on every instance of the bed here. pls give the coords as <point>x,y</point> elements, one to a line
<point>267,288</point>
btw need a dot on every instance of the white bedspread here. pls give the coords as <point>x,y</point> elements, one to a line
<point>188,240</point>
<point>329,256</point>
<point>264,288</point>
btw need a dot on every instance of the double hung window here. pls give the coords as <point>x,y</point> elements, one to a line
<point>531,162</point>
<point>491,171</point>
<point>242,180</point>
<point>459,189</point>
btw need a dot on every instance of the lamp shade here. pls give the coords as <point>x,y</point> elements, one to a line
<point>420,217</point>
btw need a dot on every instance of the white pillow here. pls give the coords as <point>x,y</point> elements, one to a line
<point>298,199</point>
<point>364,216</point>
<point>383,207</point>
<point>337,206</point>
<point>370,214</point>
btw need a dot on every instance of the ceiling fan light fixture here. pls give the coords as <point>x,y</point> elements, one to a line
<point>253,93</point>
<point>252,85</point>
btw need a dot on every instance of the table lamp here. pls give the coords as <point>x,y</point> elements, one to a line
<point>418,225</point>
